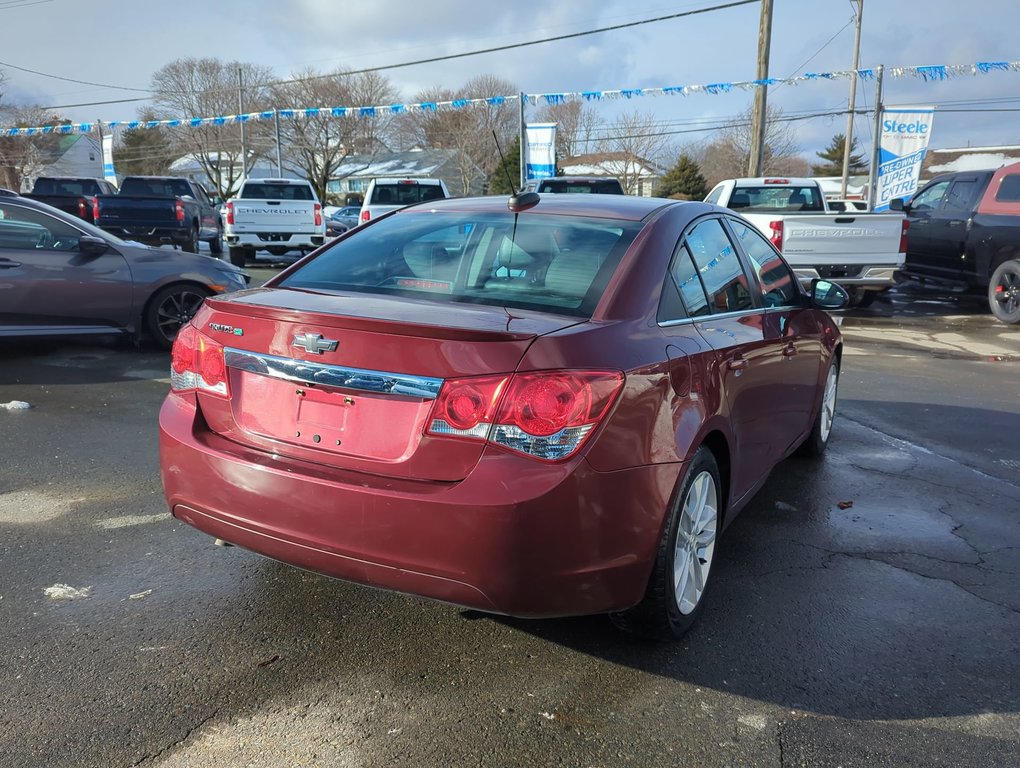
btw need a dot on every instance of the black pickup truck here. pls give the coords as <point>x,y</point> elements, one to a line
<point>965,231</point>
<point>71,194</point>
<point>161,209</point>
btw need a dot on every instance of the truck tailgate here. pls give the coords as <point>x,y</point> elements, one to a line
<point>866,238</point>
<point>293,216</point>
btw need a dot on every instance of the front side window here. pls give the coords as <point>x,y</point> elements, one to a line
<point>26,229</point>
<point>778,283</point>
<point>929,197</point>
<point>548,263</point>
<point>719,267</point>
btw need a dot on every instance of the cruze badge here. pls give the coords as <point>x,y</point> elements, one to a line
<point>314,343</point>
<point>227,329</point>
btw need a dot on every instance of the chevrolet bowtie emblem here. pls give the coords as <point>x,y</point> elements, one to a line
<point>314,343</point>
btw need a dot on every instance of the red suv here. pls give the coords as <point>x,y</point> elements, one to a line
<point>546,407</point>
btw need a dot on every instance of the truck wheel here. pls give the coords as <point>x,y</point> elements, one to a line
<point>862,298</point>
<point>237,255</point>
<point>191,244</point>
<point>216,244</point>
<point>1004,292</point>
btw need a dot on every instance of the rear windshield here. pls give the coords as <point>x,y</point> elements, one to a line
<point>546,263</point>
<point>599,187</point>
<point>405,193</point>
<point>65,187</point>
<point>774,198</point>
<point>277,192</point>
<point>155,187</point>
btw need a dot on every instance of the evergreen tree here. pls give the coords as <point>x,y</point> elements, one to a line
<point>143,152</point>
<point>510,164</point>
<point>833,157</point>
<point>684,181</point>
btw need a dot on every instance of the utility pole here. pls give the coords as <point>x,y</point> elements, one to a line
<point>244,133</point>
<point>848,144</point>
<point>754,164</point>
<point>279,152</point>
<point>877,132</point>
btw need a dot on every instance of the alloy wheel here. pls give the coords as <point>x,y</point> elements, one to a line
<point>695,542</point>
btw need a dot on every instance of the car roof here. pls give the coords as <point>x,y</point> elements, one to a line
<point>626,207</point>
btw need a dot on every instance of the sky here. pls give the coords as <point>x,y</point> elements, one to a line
<point>122,42</point>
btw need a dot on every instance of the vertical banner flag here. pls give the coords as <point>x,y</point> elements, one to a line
<point>901,150</point>
<point>540,154</point>
<point>108,172</point>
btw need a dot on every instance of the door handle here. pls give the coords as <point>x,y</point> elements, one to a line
<point>8,264</point>
<point>956,223</point>
<point>736,363</point>
<point>789,350</point>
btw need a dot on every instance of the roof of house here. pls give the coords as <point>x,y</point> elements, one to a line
<point>609,164</point>
<point>968,159</point>
<point>415,163</point>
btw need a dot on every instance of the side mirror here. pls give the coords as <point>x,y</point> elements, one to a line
<point>897,204</point>
<point>92,246</point>
<point>829,296</point>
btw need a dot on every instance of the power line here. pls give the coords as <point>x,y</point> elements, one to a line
<point>71,79</point>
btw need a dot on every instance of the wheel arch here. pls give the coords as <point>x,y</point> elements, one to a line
<point>144,309</point>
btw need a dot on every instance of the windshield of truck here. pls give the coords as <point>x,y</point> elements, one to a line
<point>769,198</point>
<point>546,263</point>
<point>253,191</point>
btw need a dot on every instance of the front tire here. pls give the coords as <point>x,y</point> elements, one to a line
<point>1004,292</point>
<point>169,309</point>
<point>821,430</point>
<point>676,589</point>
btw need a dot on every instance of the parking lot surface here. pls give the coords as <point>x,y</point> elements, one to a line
<point>865,612</point>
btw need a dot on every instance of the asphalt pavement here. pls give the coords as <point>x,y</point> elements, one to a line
<point>864,610</point>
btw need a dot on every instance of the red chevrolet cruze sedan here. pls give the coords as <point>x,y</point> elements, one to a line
<point>545,406</point>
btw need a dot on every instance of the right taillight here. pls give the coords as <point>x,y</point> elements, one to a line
<point>544,414</point>
<point>905,225</point>
<point>365,216</point>
<point>197,363</point>
<point>230,214</point>
<point>83,208</point>
<point>94,201</point>
<point>179,210</point>
<point>777,234</point>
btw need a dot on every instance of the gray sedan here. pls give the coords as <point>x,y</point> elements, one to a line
<point>61,276</point>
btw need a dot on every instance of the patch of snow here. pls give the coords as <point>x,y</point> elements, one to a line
<point>65,592</point>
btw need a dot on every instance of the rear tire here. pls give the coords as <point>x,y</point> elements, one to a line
<point>680,576</point>
<point>191,244</point>
<point>237,255</point>
<point>862,298</point>
<point>1004,292</point>
<point>216,244</point>
<point>821,430</point>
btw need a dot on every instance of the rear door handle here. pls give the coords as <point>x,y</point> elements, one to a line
<point>737,363</point>
<point>8,264</point>
<point>789,350</point>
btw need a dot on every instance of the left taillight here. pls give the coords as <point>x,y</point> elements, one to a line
<point>197,363</point>
<point>543,414</point>
<point>230,214</point>
<point>318,215</point>
<point>83,208</point>
<point>904,226</point>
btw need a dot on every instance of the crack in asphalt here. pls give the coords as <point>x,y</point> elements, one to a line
<point>178,742</point>
<point>779,739</point>
<point>902,443</point>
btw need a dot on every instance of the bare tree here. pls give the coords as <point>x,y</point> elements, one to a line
<point>23,157</point>
<point>727,154</point>
<point>316,146</point>
<point>468,129</point>
<point>208,88</point>
<point>631,147</point>
<point>576,124</point>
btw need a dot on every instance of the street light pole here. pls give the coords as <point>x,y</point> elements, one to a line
<point>849,138</point>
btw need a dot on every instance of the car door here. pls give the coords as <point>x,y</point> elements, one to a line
<point>208,214</point>
<point>948,226</point>
<point>46,281</point>
<point>793,335</point>
<point>919,214</point>
<point>716,287</point>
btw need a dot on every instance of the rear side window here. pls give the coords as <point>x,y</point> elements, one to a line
<point>719,267</point>
<point>1009,189</point>
<point>961,195</point>
<point>405,194</point>
<point>772,198</point>
<point>548,263</point>
<point>277,192</point>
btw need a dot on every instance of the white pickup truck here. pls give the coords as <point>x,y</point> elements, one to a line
<point>275,215</point>
<point>860,251</point>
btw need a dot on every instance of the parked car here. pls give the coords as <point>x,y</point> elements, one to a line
<point>71,194</point>
<point>341,220</point>
<point>61,276</point>
<point>546,407</point>
<point>965,231</point>
<point>860,251</point>
<point>577,185</point>
<point>384,195</point>
<point>157,210</point>
<point>274,215</point>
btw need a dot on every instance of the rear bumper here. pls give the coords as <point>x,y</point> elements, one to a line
<point>261,241</point>
<point>878,277</point>
<point>516,536</point>
<point>156,235</point>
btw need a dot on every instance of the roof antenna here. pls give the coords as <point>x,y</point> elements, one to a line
<point>517,202</point>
